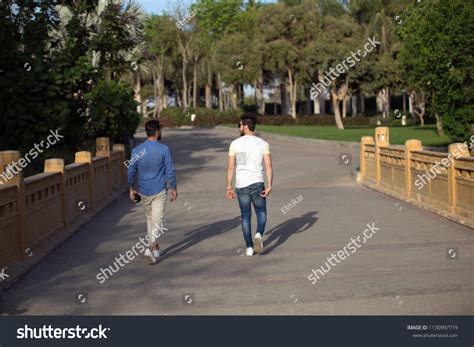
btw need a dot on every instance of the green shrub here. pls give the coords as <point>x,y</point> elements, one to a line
<point>276,120</point>
<point>112,111</point>
<point>175,117</point>
<point>316,120</point>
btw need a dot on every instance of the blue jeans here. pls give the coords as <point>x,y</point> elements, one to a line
<point>247,196</point>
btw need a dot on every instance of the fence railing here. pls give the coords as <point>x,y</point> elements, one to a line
<point>439,181</point>
<point>46,205</point>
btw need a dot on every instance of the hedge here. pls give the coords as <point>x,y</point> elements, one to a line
<point>175,117</point>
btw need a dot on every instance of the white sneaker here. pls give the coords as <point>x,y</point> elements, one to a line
<point>149,257</point>
<point>157,253</point>
<point>258,243</point>
<point>249,252</point>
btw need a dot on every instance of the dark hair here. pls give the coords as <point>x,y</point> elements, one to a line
<point>152,126</point>
<point>250,120</point>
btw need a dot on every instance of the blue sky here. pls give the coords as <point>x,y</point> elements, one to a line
<point>157,6</point>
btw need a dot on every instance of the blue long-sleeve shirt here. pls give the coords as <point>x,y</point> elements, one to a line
<point>152,162</point>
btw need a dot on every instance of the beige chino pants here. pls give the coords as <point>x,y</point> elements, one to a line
<point>154,206</point>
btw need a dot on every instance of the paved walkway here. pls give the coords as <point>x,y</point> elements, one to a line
<point>402,269</point>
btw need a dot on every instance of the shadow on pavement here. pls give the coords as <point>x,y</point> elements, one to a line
<point>281,233</point>
<point>201,234</point>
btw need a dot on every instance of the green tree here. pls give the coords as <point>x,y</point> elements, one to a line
<point>438,60</point>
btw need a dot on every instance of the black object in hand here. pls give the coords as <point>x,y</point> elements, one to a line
<point>136,198</point>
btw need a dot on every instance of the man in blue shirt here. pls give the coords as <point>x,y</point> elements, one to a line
<point>151,162</point>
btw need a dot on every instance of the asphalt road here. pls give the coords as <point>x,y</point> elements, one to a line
<point>404,268</point>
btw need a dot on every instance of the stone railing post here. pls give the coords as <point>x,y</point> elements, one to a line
<point>57,165</point>
<point>86,157</point>
<point>103,150</point>
<point>410,146</point>
<point>381,139</point>
<point>365,140</point>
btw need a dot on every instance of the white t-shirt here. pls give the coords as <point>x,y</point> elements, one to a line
<point>249,151</point>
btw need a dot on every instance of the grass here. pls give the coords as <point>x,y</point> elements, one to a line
<point>398,135</point>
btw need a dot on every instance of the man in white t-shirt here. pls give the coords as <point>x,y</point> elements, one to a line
<point>246,155</point>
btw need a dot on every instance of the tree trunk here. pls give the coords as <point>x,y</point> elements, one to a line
<point>209,88</point>
<point>240,94</point>
<point>259,94</point>
<point>337,111</point>
<point>316,105</point>
<point>189,94</point>
<point>208,96</point>
<point>225,99</point>
<point>379,102</point>
<point>234,97</point>
<point>219,85</point>
<point>421,116</point>
<point>185,84</point>
<point>322,105</point>
<point>155,93</point>
<point>283,97</point>
<point>164,101</point>
<point>384,101</point>
<point>137,88</point>
<point>439,125</point>
<point>159,87</point>
<point>293,89</point>
<point>354,105</point>
<point>307,104</point>
<point>180,104</point>
<point>362,104</point>
<point>195,85</point>
<point>421,104</point>
<point>345,104</point>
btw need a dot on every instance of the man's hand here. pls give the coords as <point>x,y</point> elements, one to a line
<point>266,192</point>
<point>230,194</point>
<point>132,193</point>
<point>174,194</point>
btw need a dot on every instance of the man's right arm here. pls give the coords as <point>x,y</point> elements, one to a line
<point>230,173</point>
<point>132,176</point>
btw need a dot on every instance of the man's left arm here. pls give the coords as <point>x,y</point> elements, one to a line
<point>170,174</point>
